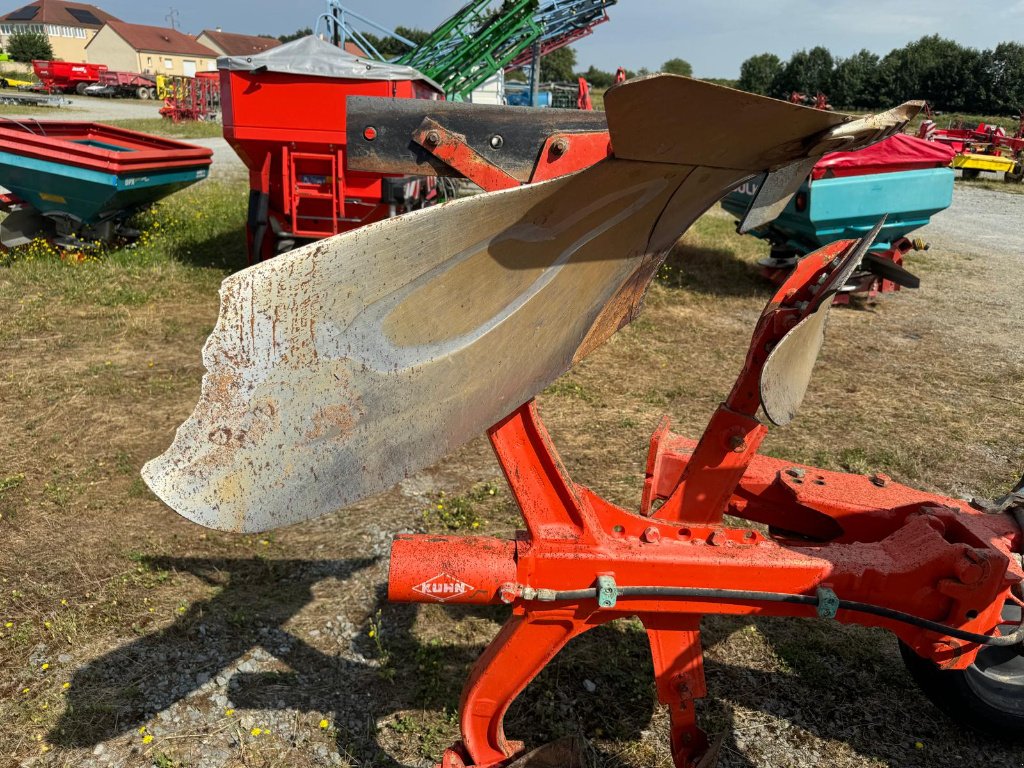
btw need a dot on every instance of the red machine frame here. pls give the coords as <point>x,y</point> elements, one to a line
<point>582,561</point>
<point>289,130</point>
<point>67,76</point>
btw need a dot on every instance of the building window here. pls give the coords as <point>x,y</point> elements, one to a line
<point>168,64</point>
<point>149,61</point>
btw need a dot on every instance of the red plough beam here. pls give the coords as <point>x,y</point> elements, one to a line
<point>852,548</point>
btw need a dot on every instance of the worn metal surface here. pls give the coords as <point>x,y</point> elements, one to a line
<point>774,193</point>
<point>521,130</point>
<point>787,371</point>
<point>667,119</point>
<point>340,368</point>
<point>886,544</point>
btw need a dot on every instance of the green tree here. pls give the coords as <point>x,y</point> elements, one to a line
<point>677,67</point>
<point>855,81</point>
<point>759,73</point>
<point>598,78</point>
<point>25,46</point>
<point>298,33</point>
<point>558,66</point>
<point>944,73</point>
<point>806,71</point>
<point>1005,74</point>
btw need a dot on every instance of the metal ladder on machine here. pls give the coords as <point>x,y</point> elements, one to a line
<point>474,44</point>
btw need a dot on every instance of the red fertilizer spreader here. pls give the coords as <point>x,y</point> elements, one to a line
<point>285,115</point>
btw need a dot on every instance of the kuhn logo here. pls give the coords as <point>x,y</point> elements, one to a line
<point>443,587</point>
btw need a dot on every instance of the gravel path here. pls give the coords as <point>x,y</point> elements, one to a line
<point>99,110</point>
<point>227,165</point>
<point>981,221</point>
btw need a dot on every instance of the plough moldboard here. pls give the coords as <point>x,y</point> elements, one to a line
<point>339,368</point>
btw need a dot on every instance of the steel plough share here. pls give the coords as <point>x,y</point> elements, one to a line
<point>338,369</point>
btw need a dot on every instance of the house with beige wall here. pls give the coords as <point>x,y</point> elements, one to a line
<point>68,26</point>
<point>150,50</point>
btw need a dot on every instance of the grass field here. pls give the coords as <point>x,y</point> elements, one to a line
<point>132,637</point>
<point>189,129</point>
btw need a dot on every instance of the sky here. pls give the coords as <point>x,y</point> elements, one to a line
<point>715,36</point>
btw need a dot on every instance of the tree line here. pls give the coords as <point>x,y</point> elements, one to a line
<point>949,76</point>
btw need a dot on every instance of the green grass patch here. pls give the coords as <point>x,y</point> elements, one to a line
<point>190,129</point>
<point>195,236</point>
<point>993,184</point>
<point>36,113</point>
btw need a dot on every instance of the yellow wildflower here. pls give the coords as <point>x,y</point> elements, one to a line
<point>142,729</point>
<point>9,624</point>
<point>45,666</point>
<point>256,731</point>
<point>66,686</point>
<point>324,724</point>
<point>229,712</point>
<point>147,738</point>
<point>24,690</point>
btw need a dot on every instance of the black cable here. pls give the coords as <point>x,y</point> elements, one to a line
<point>742,595</point>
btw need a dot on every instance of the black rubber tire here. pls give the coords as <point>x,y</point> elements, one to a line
<point>4,83</point>
<point>956,693</point>
<point>80,88</point>
<point>971,173</point>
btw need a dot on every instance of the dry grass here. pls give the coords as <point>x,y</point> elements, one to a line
<point>133,606</point>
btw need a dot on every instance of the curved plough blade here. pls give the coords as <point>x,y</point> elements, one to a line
<point>339,369</point>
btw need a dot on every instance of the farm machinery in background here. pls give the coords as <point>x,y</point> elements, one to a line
<point>189,98</point>
<point>76,183</point>
<point>982,148</point>
<point>478,41</point>
<point>284,110</point>
<point>124,85</point>
<point>905,178</point>
<point>67,76</point>
<point>338,370</point>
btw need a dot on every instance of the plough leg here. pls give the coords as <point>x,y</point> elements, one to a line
<point>525,644</point>
<point>679,674</point>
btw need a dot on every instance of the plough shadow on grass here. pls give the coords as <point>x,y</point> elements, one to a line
<point>126,687</point>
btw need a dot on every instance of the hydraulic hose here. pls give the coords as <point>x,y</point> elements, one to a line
<point>749,596</point>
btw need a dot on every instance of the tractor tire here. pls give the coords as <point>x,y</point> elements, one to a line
<point>142,92</point>
<point>80,88</point>
<point>152,92</point>
<point>988,696</point>
<point>4,83</point>
<point>971,173</point>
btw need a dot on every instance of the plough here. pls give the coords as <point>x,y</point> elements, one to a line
<point>338,369</point>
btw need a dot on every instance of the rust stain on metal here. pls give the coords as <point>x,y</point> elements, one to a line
<point>338,369</point>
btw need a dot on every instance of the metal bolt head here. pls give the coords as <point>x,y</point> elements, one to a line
<point>737,444</point>
<point>496,141</point>
<point>880,479</point>
<point>369,133</point>
<point>433,137</point>
<point>559,146</point>
<point>795,472</point>
<point>651,535</point>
